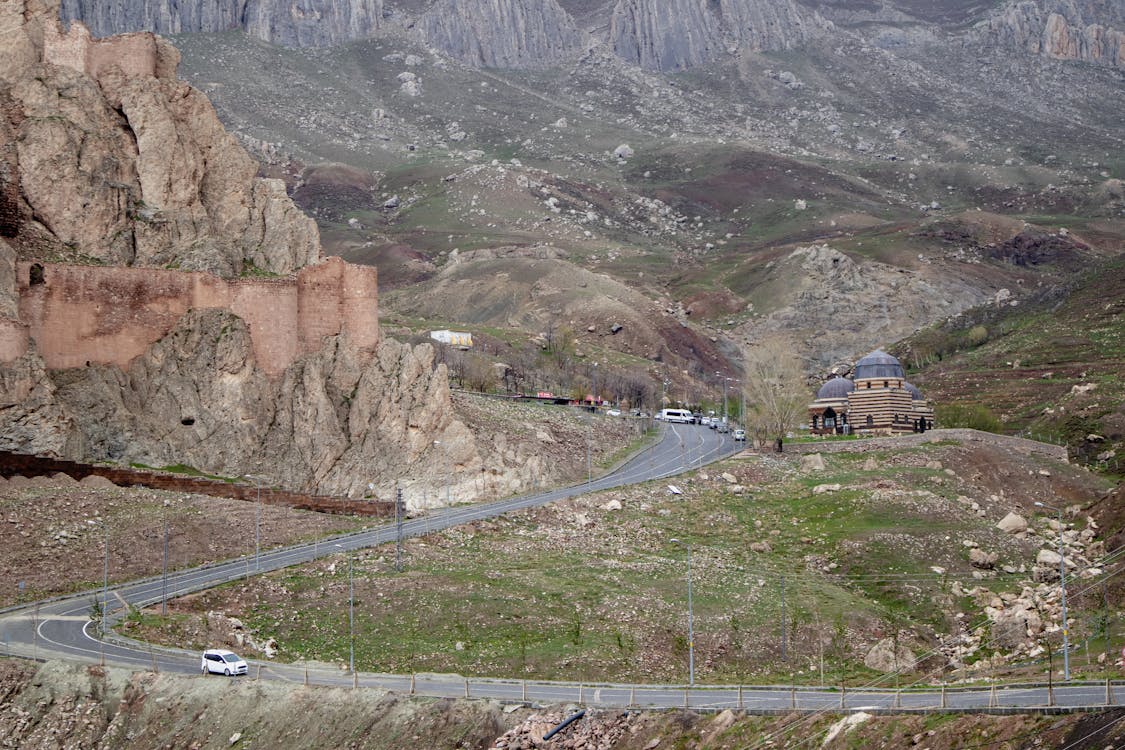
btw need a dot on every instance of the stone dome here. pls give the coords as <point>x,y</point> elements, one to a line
<point>836,388</point>
<point>878,364</point>
<point>915,394</point>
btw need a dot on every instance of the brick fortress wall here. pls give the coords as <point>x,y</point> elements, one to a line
<point>101,315</point>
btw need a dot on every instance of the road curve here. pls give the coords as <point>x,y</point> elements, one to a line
<point>62,628</point>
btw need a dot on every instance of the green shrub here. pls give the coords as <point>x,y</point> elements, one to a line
<point>972,416</point>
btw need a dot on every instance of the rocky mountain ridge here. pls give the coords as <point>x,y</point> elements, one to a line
<point>311,23</point>
<point>653,35</point>
<point>1092,31</point>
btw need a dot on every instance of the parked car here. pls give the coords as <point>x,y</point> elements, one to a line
<point>613,412</point>
<point>221,661</point>
<point>739,435</point>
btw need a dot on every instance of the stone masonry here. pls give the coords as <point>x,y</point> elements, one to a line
<point>82,315</point>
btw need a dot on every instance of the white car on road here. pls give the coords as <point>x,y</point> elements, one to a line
<point>221,661</point>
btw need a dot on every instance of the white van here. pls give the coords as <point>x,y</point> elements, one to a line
<point>682,416</point>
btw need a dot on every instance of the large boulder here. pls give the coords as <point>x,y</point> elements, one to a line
<point>889,656</point>
<point>812,462</point>
<point>1013,523</point>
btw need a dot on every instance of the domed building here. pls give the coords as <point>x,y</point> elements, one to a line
<point>878,401</point>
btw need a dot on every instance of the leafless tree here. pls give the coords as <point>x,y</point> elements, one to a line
<point>776,395</point>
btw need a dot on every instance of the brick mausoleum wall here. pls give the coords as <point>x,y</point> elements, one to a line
<point>861,445</point>
<point>12,464</point>
<point>102,315</point>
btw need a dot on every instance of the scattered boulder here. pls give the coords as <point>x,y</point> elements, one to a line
<point>624,151</point>
<point>761,547</point>
<point>821,489</point>
<point>978,558</point>
<point>1013,523</point>
<point>812,462</point>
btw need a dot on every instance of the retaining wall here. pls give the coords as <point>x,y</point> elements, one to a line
<point>22,464</point>
<point>861,445</point>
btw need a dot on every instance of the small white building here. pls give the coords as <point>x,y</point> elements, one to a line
<point>459,339</point>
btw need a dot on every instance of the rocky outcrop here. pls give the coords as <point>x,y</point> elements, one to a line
<point>116,160</point>
<point>1090,31</point>
<point>771,24</point>
<point>334,422</point>
<point>833,304</point>
<point>308,23</point>
<point>669,36</point>
<point>680,34</point>
<point>501,33</point>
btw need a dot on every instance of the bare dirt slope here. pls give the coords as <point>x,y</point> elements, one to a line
<point>55,532</point>
<point>55,705</point>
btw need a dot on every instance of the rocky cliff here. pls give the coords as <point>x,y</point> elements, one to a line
<point>333,422</point>
<point>680,34</point>
<point>1087,30</point>
<point>669,36</point>
<point>501,33</point>
<point>107,156</point>
<point>300,23</point>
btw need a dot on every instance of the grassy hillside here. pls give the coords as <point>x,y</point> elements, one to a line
<point>797,574</point>
<point>1052,366</point>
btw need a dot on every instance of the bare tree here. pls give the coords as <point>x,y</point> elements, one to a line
<point>776,395</point>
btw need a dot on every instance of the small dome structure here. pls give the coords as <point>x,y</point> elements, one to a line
<point>878,364</point>
<point>835,388</point>
<point>915,394</point>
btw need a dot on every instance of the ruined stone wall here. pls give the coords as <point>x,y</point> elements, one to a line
<point>269,307</point>
<point>81,315</point>
<point>336,297</point>
<point>360,296</point>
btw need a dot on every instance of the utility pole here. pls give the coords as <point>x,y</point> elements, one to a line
<point>724,422</point>
<point>351,616</point>
<point>164,583</point>
<point>1062,586</point>
<point>399,512</point>
<point>784,635</point>
<point>105,575</point>
<point>690,615</point>
<point>589,436</point>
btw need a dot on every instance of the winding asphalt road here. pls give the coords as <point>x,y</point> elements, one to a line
<point>62,628</point>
